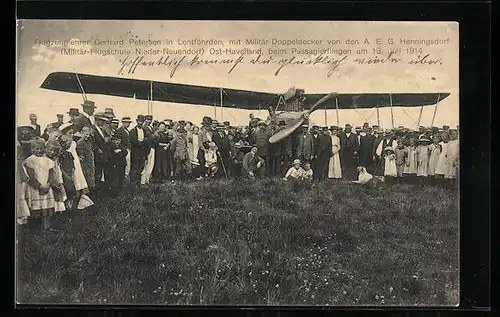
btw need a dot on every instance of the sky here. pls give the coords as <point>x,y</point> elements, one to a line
<point>36,61</point>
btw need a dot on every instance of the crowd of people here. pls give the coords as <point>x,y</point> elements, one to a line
<point>63,167</point>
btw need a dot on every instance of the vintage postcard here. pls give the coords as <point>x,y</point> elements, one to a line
<point>237,163</point>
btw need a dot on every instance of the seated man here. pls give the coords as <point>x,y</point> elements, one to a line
<point>253,165</point>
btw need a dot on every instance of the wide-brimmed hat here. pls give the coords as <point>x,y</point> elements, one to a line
<point>423,140</point>
<point>89,103</point>
<point>65,127</point>
<point>74,112</point>
<point>101,116</point>
<point>108,112</point>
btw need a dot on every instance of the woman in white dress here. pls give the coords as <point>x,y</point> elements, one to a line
<point>452,156</point>
<point>334,167</point>
<point>441,166</point>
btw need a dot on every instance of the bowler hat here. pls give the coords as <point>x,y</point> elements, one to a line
<point>73,112</point>
<point>89,103</point>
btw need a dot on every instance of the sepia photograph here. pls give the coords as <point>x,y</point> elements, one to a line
<point>254,163</point>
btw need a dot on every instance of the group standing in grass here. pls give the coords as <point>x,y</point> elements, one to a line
<point>63,167</point>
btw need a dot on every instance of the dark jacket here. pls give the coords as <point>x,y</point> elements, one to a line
<point>305,146</point>
<point>125,136</point>
<point>81,121</point>
<point>222,142</point>
<point>101,147</point>
<point>117,159</point>
<point>348,145</point>
<point>324,146</point>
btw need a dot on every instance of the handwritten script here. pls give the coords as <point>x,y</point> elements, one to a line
<point>130,64</point>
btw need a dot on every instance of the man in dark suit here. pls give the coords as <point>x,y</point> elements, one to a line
<point>139,150</point>
<point>220,138</point>
<point>366,150</point>
<point>314,163</point>
<point>305,145</point>
<point>35,125</point>
<point>261,139</point>
<point>86,118</point>
<point>349,148</point>
<point>324,152</point>
<point>124,134</point>
<point>101,152</point>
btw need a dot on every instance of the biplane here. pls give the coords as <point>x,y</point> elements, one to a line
<point>294,116</point>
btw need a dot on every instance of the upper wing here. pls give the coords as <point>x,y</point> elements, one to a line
<point>209,96</point>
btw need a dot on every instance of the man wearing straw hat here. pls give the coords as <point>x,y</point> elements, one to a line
<point>86,118</point>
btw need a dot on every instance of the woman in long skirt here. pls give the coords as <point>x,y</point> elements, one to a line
<point>435,149</point>
<point>160,169</point>
<point>442,166</point>
<point>334,167</point>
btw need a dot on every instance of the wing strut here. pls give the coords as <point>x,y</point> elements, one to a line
<point>80,86</point>
<point>435,110</point>
<point>378,116</point>
<point>420,116</point>
<point>221,109</point>
<point>337,110</point>
<point>392,114</point>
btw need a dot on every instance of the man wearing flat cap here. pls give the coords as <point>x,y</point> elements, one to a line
<point>139,150</point>
<point>85,118</point>
<point>305,145</point>
<point>349,148</point>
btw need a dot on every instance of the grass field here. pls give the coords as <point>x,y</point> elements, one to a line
<point>263,243</point>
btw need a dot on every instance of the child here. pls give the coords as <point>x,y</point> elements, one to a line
<point>211,160</point>
<point>117,162</point>
<point>401,157</point>
<point>67,165</point>
<point>295,172</point>
<point>39,195</point>
<point>390,163</point>
<point>422,157</point>
<point>180,155</point>
<point>53,151</point>
<point>307,174</point>
<point>411,160</point>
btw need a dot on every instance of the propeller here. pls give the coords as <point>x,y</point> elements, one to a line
<point>293,124</point>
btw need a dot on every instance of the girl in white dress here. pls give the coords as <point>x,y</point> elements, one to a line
<point>390,162</point>
<point>452,156</point>
<point>41,176</point>
<point>411,161</point>
<point>334,167</point>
